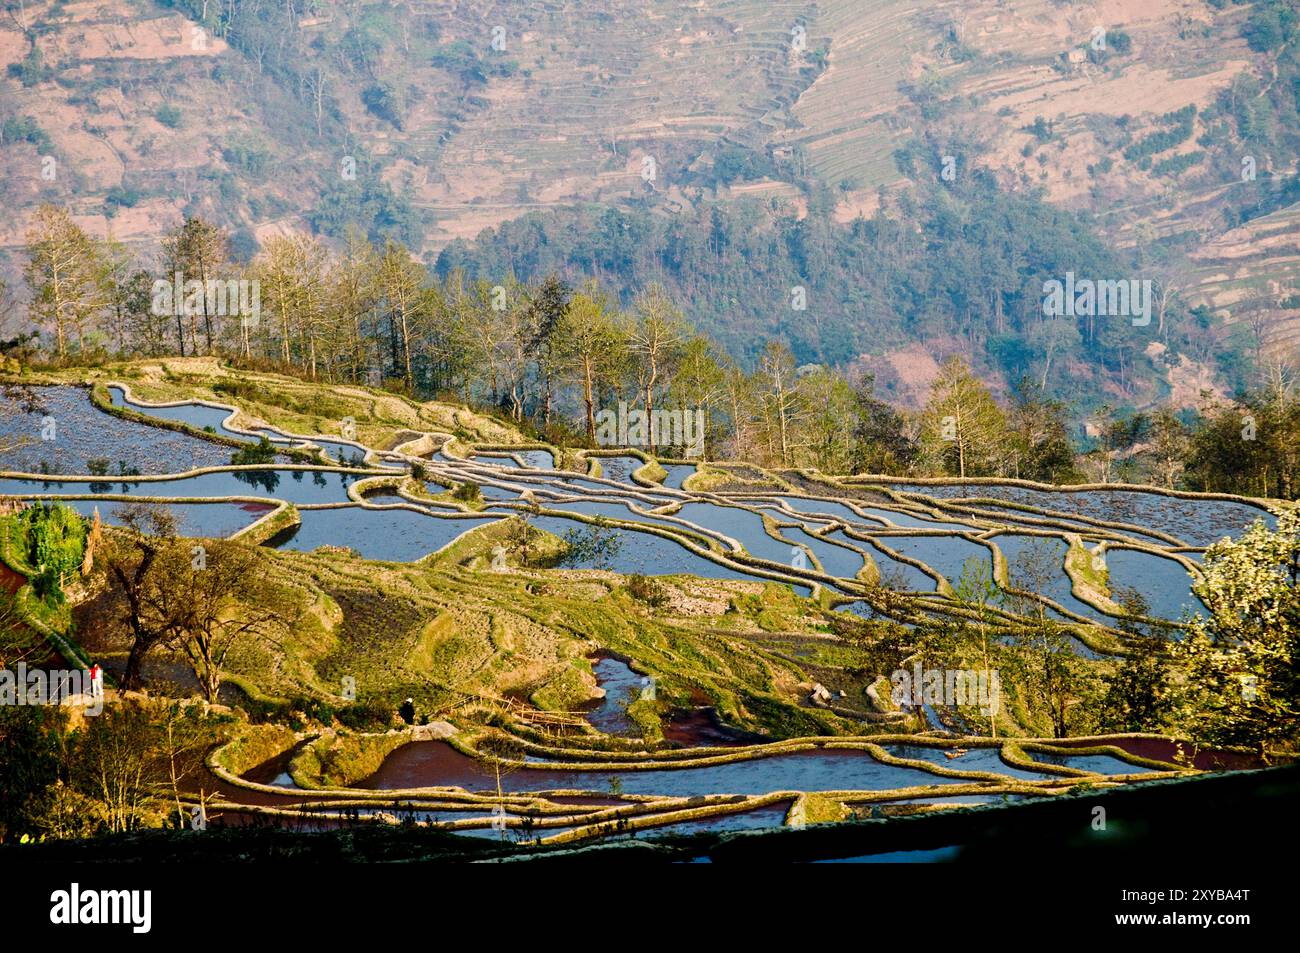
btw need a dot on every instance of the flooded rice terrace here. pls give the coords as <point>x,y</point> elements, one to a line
<point>918,539</point>
<point>431,782</point>
<point>59,430</point>
<point>926,539</point>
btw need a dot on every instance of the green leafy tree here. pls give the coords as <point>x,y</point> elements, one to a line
<point>828,425</point>
<point>657,338</point>
<point>980,598</point>
<point>114,763</point>
<point>598,544</point>
<point>31,755</point>
<point>56,544</point>
<point>881,441</point>
<point>1039,438</point>
<point>197,250</point>
<point>252,454</point>
<point>1055,678</point>
<point>591,343</point>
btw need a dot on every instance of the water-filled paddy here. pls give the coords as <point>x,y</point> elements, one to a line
<point>911,520</point>
<point>611,510</point>
<point>976,759</point>
<point>937,855</point>
<point>826,508</point>
<point>296,486</point>
<point>211,520</point>
<point>1029,556</point>
<point>205,417</point>
<point>875,517</point>
<point>390,535</point>
<point>495,459</point>
<point>59,430</point>
<point>594,487</point>
<point>403,535</point>
<point>537,459</point>
<point>836,560</point>
<point>1163,583</point>
<point>677,475</point>
<point>431,763</point>
<point>493,493</point>
<point>642,553</point>
<point>199,416</point>
<point>760,818</point>
<point>1198,522</point>
<point>619,469</point>
<point>622,686</point>
<point>945,554</point>
<point>343,452</point>
<point>894,574</point>
<point>742,525</point>
<point>1098,763</point>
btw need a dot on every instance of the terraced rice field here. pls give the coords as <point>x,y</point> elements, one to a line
<point>881,548</point>
<point>919,537</point>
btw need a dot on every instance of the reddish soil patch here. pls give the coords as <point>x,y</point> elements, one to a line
<point>11,581</point>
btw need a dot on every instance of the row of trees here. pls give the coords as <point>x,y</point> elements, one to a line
<point>90,294</point>
<point>536,350</point>
<point>1249,445</point>
<point>965,262</point>
<point>553,356</point>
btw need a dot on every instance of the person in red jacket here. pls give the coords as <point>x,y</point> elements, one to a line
<point>96,681</point>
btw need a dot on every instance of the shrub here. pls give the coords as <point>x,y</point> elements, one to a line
<point>24,129</point>
<point>373,714</point>
<point>30,70</point>
<point>598,544</point>
<point>647,590</point>
<point>56,543</point>
<point>467,492</point>
<point>168,115</point>
<point>119,196</point>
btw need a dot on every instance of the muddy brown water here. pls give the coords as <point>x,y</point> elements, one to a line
<point>1161,749</point>
<point>700,727</point>
<point>431,763</point>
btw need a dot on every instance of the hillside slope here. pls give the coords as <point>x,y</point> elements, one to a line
<point>432,121</point>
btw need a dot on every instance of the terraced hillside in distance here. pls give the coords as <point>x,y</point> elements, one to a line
<point>1250,273</point>
<point>474,125</point>
<point>269,119</point>
<point>481,111</point>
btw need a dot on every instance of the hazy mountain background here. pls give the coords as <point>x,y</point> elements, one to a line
<point>793,145</point>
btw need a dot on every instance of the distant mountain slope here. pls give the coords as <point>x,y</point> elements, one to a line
<point>434,119</point>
